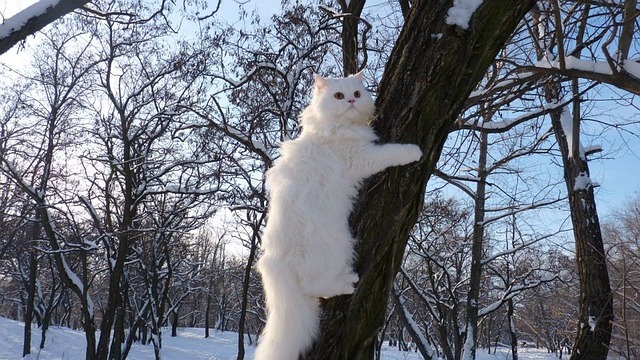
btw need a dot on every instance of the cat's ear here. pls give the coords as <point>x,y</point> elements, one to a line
<point>359,75</point>
<point>321,83</point>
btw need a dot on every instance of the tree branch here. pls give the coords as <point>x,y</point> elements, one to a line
<point>33,19</point>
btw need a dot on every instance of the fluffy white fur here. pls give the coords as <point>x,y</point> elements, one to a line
<point>308,247</point>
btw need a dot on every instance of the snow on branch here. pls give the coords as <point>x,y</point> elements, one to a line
<point>332,12</point>
<point>511,210</point>
<point>513,291</point>
<point>504,125</point>
<point>431,301</point>
<point>572,62</point>
<point>593,149</point>
<point>252,144</point>
<point>33,19</point>
<point>582,182</point>
<point>421,341</point>
<point>625,75</point>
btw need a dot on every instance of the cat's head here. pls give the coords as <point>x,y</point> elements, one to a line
<point>337,102</point>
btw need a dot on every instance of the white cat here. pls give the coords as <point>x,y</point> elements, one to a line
<point>308,247</point>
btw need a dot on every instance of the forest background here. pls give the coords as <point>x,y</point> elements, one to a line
<point>134,136</point>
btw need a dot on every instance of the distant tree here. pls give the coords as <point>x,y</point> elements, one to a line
<point>33,158</point>
<point>436,274</point>
<point>148,184</point>
<point>551,324</point>
<point>596,303</point>
<point>137,186</point>
<point>622,245</point>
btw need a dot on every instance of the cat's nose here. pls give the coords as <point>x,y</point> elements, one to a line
<point>351,101</point>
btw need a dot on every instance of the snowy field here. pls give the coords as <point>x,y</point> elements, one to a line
<point>63,343</point>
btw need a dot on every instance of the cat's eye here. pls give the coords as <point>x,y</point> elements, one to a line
<point>339,95</point>
<point>356,94</point>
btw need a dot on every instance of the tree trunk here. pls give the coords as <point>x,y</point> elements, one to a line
<point>31,295</point>
<point>115,302</point>
<point>115,352</point>
<point>431,71</point>
<point>246,284</point>
<point>350,35</point>
<point>54,300</point>
<point>596,308</point>
<point>174,323</point>
<point>477,246</point>
<point>512,330</point>
<point>207,312</point>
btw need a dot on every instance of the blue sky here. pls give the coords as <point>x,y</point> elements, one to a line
<point>617,170</point>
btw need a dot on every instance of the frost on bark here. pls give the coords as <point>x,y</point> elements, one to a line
<point>431,71</point>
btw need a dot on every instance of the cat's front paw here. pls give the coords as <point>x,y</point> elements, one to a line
<point>413,153</point>
<point>350,280</point>
<point>352,277</point>
<point>344,284</point>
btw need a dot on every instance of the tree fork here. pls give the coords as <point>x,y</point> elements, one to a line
<point>431,72</point>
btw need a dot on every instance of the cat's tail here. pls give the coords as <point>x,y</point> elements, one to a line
<point>292,318</point>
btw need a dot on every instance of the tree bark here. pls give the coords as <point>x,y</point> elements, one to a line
<point>174,322</point>
<point>54,300</point>
<point>512,330</point>
<point>431,71</point>
<point>596,308</point>
<point>35,23</point>
<point>477,247</point>
<point>207,312</point>
<point>31,295</point>
<point>350,35</point>
<point>246,283</point>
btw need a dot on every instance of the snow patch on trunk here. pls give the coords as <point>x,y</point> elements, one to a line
<point>461,11</point>
<point>583,182</point>
<point>592,323</point>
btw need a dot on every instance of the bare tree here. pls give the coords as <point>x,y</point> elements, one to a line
<point>622,234</point>
<point>146,182</point>
<point>596,308</point>
<point>61,78</point>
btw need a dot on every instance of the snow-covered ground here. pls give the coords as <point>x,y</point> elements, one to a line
<point>64,343</point>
